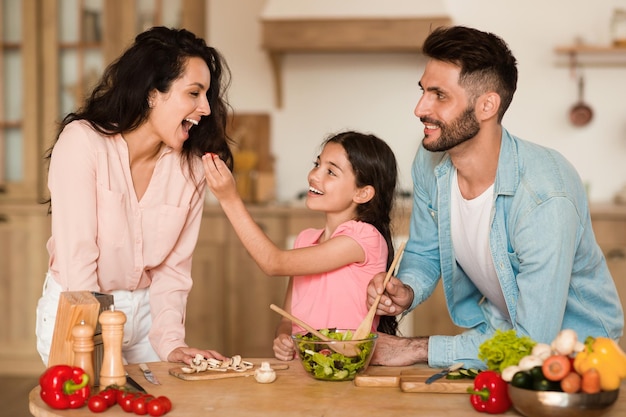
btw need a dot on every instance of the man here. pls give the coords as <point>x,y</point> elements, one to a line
<point>504,223</point>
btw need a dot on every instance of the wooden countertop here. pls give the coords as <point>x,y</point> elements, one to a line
<point>293,394</point>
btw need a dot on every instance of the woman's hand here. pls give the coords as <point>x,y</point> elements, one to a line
<point>396,296</point>
<point>218,177</point>
<point>186,354</point>
<point>284,348</point>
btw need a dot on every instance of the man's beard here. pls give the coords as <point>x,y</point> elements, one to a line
<point>454,133</point>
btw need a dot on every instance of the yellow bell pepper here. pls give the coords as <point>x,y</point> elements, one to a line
<point>606,357</point>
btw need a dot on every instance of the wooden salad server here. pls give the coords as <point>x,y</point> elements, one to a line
<point>336,345</point>
<point>365,327</point>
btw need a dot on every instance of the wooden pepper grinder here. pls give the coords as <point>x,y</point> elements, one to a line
<point>112,371</point>
<point>82,346</point>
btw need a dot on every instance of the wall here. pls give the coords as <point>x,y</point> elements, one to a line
<point>324,93</point>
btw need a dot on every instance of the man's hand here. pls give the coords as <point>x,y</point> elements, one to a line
<point>396,297</point>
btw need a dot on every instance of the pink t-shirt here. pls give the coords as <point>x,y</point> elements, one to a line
<point>104,239</point>
<point>337,299</point>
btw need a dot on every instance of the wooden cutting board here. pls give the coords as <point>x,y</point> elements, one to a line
<point>413,380</point>
<point>208,375</point>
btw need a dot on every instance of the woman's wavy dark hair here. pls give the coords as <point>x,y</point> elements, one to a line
<point>374,164</point>
<point>158,56</point>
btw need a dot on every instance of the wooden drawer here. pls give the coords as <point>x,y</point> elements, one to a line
<point>610,232</point>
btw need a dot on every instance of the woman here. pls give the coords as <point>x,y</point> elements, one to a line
<point>127,190</point>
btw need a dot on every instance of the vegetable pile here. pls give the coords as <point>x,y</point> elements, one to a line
<point>65,387</point>
<point>323,363</point>
<point>570,366</point>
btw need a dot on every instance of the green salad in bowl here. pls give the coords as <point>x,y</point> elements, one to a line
<point>324,360</point>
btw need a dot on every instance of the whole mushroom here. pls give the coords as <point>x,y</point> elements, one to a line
<point>265,374</point>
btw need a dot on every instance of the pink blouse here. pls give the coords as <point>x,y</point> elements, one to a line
<point>338,299</point>
<point>104,239</point>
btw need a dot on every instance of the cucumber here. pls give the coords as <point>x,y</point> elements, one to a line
<point>465,373</point>
<point>455,375</point>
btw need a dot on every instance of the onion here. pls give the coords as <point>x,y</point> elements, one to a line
<point>528,362</point>
<point>542,350</point>
<point>565,342</point>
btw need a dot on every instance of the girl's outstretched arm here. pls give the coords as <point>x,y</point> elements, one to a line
<point>274,261</point>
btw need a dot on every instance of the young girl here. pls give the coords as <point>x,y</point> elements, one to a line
<point>353,181</point>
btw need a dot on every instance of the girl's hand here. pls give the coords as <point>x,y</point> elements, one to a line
<point>396,297</point>
<point>186,354</point>
<point>284,348</point>
<point>218,177</point>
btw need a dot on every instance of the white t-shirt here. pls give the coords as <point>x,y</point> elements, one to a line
<point>470,240</point>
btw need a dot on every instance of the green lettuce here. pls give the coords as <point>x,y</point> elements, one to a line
<point>323,363</point>
<point>504,348</point>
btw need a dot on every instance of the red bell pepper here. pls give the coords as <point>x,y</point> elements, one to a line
<point>490,393</point>
<point>64,386</point>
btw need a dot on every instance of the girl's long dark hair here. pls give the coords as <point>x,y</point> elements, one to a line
<point>374,163</point>
<point>158,56</point>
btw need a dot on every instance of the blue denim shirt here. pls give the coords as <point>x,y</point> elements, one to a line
<point>552,272</point>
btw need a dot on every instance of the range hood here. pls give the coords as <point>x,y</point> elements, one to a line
<point>306,26</point>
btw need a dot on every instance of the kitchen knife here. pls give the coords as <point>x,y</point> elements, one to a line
<point>443,373</point>
<point>134,384</point>
<point>148,374</point>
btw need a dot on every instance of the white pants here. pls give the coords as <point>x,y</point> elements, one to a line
<point>136,347</point>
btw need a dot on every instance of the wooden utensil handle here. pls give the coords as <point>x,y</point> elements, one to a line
<point>299,322</point>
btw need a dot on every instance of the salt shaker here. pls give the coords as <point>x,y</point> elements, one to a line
<point>112,371</point>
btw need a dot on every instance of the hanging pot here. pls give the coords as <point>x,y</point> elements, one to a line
<point>581,113</point>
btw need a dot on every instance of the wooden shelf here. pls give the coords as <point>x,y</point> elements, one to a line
<point>591,55</point>
<point>399,35</point>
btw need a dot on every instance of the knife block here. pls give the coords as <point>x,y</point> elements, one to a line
<point>74,307</point>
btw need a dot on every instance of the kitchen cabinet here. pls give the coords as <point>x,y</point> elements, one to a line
<point>609,226</point>
<point>24,230</point>
<point>20,154</point>
<point>53,52</point>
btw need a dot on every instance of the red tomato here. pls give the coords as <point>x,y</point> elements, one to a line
<point>97,404</point>
<point>127,402</point>
<point>155,407</point>
<point>120,394</point>
<point>167,404</point>
<point>325,352</point>
<point>110,395</point>
<point>139,405</point>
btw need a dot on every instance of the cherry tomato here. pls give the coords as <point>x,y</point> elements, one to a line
<point>120,394</point>
<point>97,403</point>
<point>167,404</point>
<point>139,404</point>
<point>127,402</point>
<point>110,395</point>
<point>155,407</point>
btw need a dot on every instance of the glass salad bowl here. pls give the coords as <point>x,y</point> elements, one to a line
<point>337,360</point>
